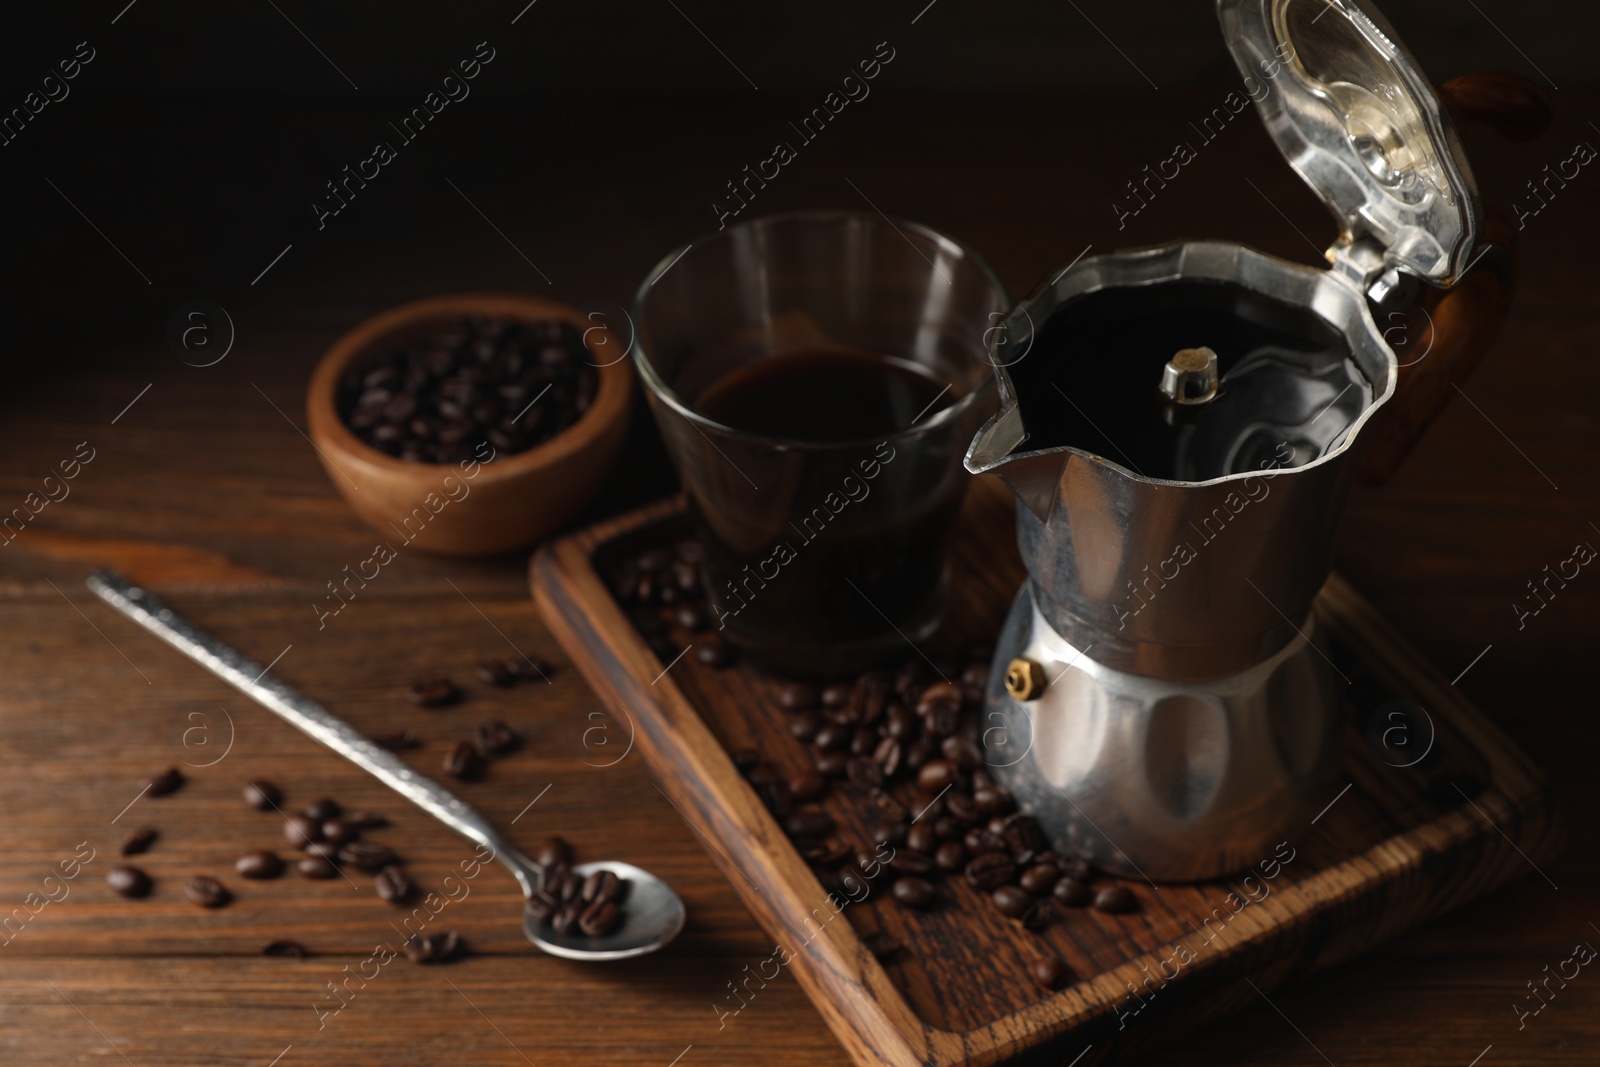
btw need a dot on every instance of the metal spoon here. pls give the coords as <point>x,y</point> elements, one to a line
<point>653,914</point>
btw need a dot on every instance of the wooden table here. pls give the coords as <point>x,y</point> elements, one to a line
<point>206,489</point>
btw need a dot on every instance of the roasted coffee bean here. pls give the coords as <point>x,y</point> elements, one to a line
<point>1114,898</point>
<point>602,885</point>
<point>937,775</point>
<point>497,672</point>
<point>599,918</point>
<point>1073,892</point>
<point>836,695</point>
<point>887,805</point>
<point>950,857</point>
<point>323,809</point>
<point>863,741</point>
<point>1012,901</point>
<point>824,853</point>
<point>918,752</point>
<point>947,829</point>
<point>565,920</point>
<point>921,838</point>
<point>367,855</point>
<point>1050,857</point>
<point>981,839</point>
<point>399,741</point>
<point>863,773</point>
<point>263,796</point>
<point>805,725</point>
<point>797,696</point>
<point>433,948</point>
<point>975,675</point>
<point>286,949</point>
<point>713,654</point>
<point>831,764</point>
<point>889,755</point>
<point>962,751</point>
<point>981,779</point>
<point>541,908</point>
<point>808,785</point>
<point>992,800</point>
<point>140,840</point>
<point>916,893</point>
<point>1022,835</point>
<point>960,807</point>
<point>168,781</point>
<point>495,738</point>
<point>302,830</point>
<point>1039,879</point>
<point>313,865</point>
<point>811,823</point>
<point>393,885</point>
<point>881,945</point>
<point>1077,868</point>
<point>433,692</point>
<point>260,864</point>
<point>989,871</point>
<point>1049,973</point>
<point>899,723</point>
<point>553,852</point>
<point>937,694</point>
<point>530,668</point>
<point>206,892</point>
<point>462,762</point>
<point>872,862</point>
<point>833,737</point>
<point>906,862</point>
<point>339,832</point>
<point>693,617</point>
<point>128,882</point>
<point>889,832</point>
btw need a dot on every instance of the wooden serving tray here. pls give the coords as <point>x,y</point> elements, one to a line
<point>1395,847</point>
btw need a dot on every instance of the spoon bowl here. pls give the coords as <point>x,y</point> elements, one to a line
<point>652,915</point>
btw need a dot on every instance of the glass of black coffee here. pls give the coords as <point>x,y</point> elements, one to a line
<point>817,377</point>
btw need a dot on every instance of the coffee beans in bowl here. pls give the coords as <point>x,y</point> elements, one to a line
<point>473,424</point>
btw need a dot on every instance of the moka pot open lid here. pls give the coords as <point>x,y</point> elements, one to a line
<point>1350,110</point>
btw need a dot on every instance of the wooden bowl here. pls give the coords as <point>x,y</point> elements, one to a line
<point>469,508</point>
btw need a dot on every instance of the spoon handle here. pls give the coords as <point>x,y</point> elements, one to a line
<point>252,679</point>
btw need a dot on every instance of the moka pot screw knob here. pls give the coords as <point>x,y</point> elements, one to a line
<point>1024,679</point>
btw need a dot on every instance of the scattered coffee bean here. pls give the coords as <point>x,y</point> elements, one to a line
<point>495,738</point>
<point>959,806</point>
<point>339,831</point>
<point>921,838</point>
<point>128,882</point>
<point>497,672</point>
<point>981,839</point>
<point>302,830</point>
<point>314,866</point>
<point>831,764</point>
<point>367,855</point>
<point>889,832</point>
<point>1114,898</point>
<point>1012,901</point>
<point>462,762</point>
<point>899,723</point>
<point>950,857</point>
<point>323,809</point>
<point>864,774</point>
<point>962,751</point>
<point>992,800</point>
<point>713,654</point>
<point>990,870</point>
<point>433,692</point>
<point>937,775</point>
<point>393,885</point>
<point>399,741</point>
<point>804,726</point>
<point>263,796</point>
<point>1073,892</point>
<point>887,805</point>
<point>325,850</point>
<point>1022,836</point>
<point>552,852</point>
<point>206,892</point>
<point>261,864</point>
<point>140,841</point>
<point>1077,868</point>
<point>797,696</point>
<point>1050,973</point>
<point>1039,879</point>
<point>168,781</point>
<point>433,948</point>
<point>293,950</point>
<point>915,893</point>
<point>907,862</point>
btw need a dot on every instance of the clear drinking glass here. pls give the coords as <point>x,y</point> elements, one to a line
<point>823,556</point>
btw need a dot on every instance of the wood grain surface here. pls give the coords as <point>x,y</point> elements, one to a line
<point>206,489</point>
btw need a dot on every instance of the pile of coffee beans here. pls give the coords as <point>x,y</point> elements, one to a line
<point>908,743</point>
<point>511,385</point>
<point>570,903</point>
